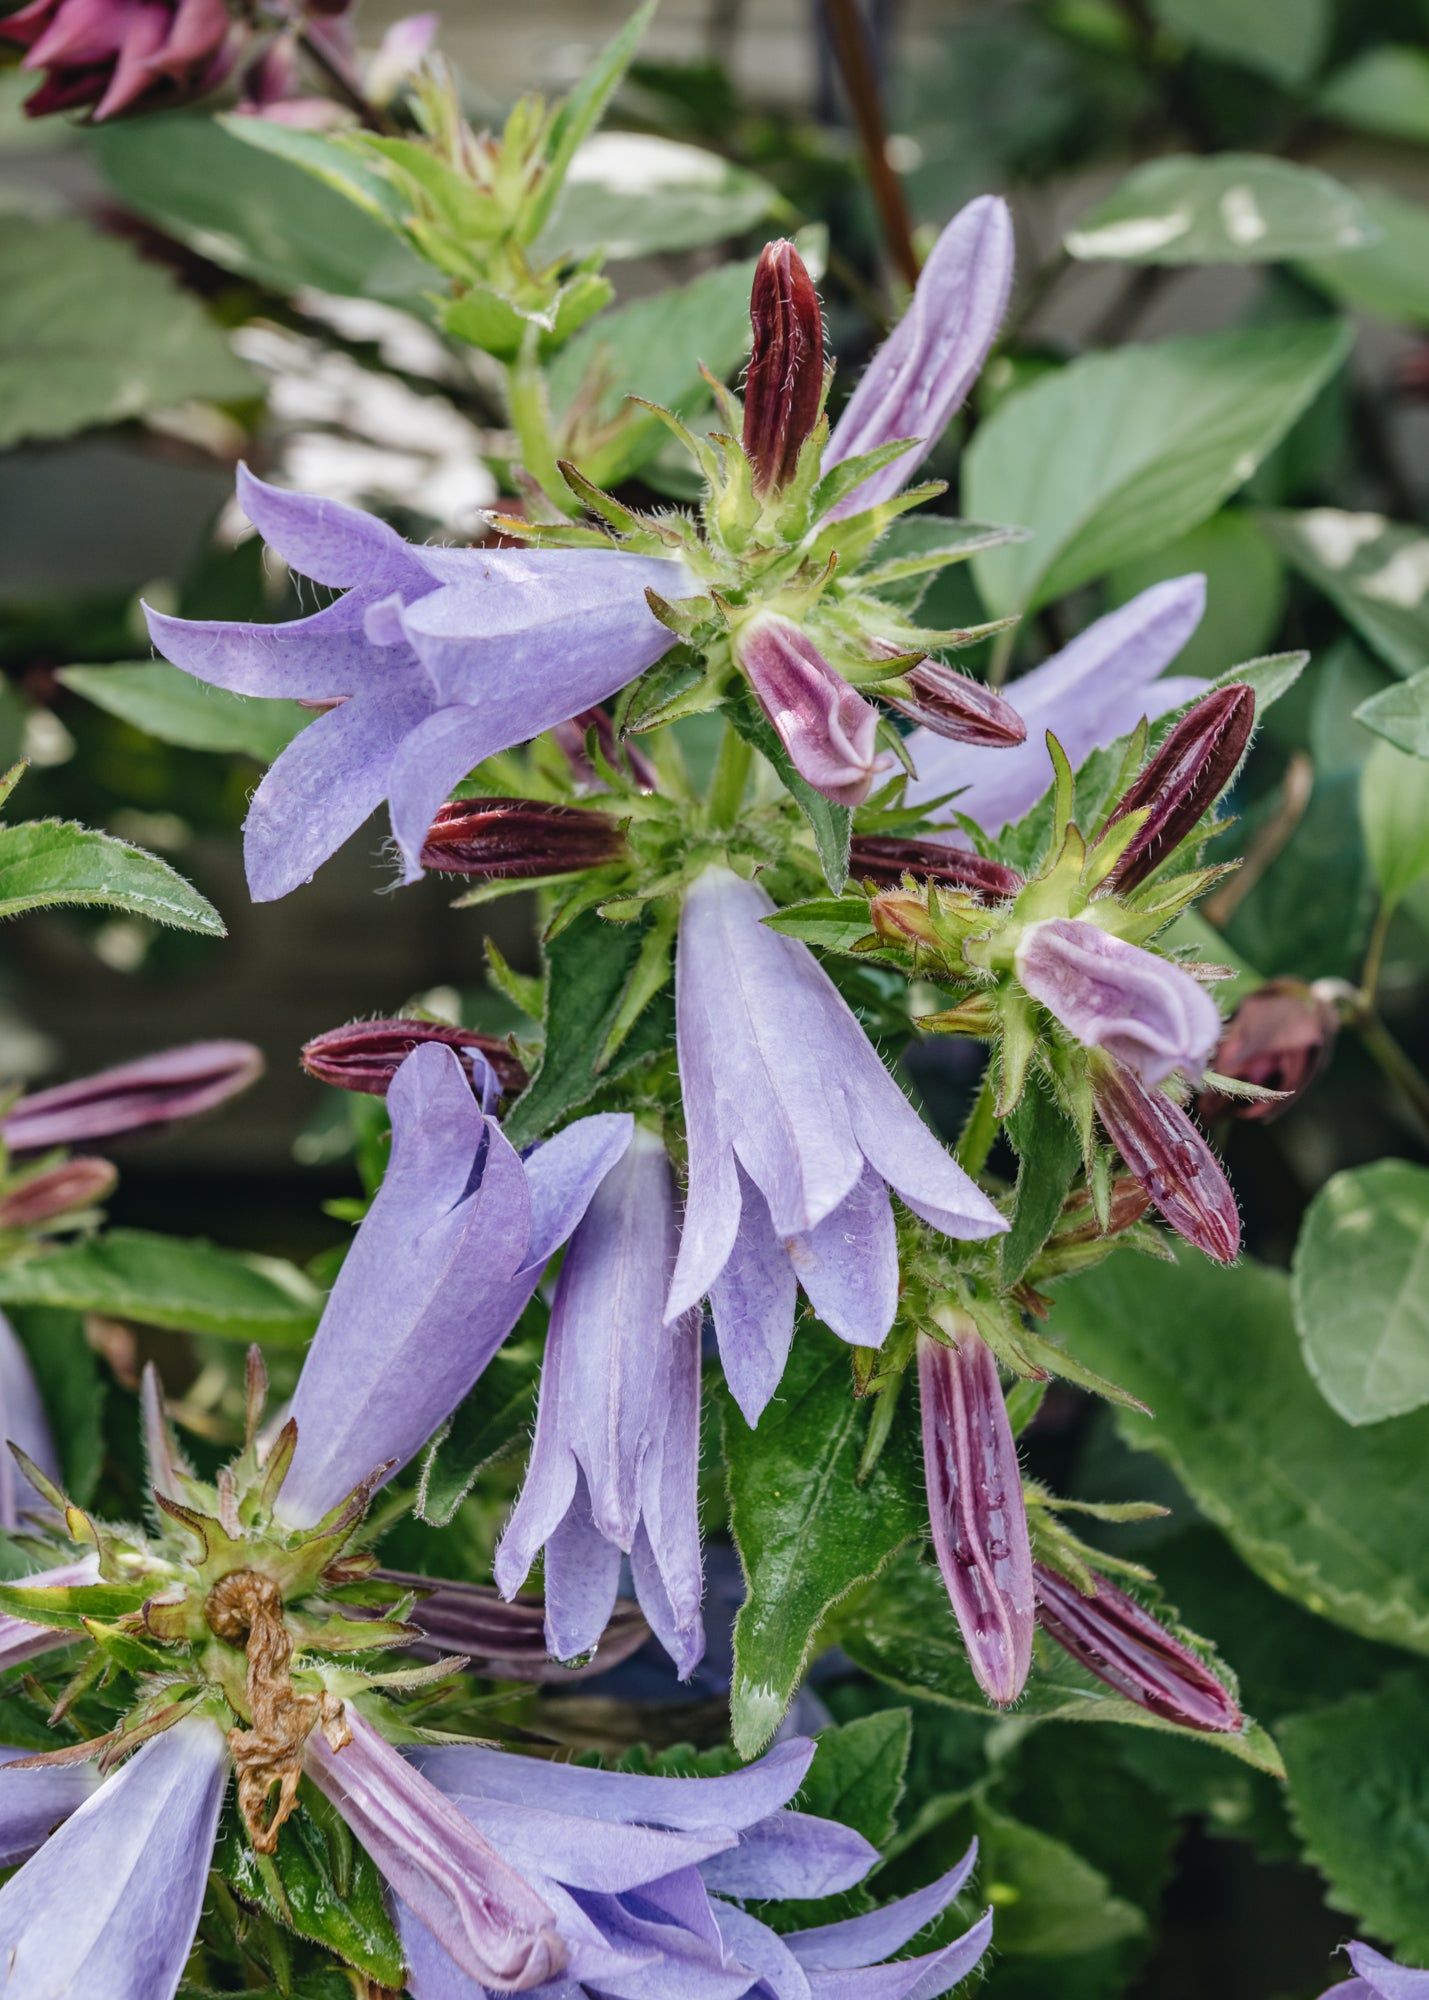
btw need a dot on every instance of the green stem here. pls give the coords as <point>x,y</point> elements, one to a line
<point>531,421</point>
<point>1411,1084</point>
<point>980,1132</point>
<point>1374,958</point>
<point>731,776</point>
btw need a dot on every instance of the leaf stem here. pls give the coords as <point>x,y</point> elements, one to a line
<point>531,421</point>
<point>731,776</point>
<point>976,1140</point>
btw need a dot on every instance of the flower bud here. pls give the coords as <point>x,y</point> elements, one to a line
<point>784,386</point>
<point>1111,1636</point>
<point>506,1642</point>
<point>73,1185</point>
<point>515,839</point>
<point>156,1090</point>
<point>978,1515</point>
<point>1280,1037</point>
<point>1148,1013</point>
<point>827,727</point>
<point>1079,1224</point>
<point>1183,780</point>
<point>112,55</point>
<point>875,859</point>
<point>366,1055</point>
<point>570,739</point>
<point>955,705</point>
<point>901,917</point>
<point>1169,1157</point>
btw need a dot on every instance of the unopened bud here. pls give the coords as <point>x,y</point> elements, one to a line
<point>875,859</point>
<point>519,839</point>
<point>978,1514</point>
<point>1080,1224</point>
<point>1183,780</point>
<point>1280,1037</point>
<point>901,917</point>
<point>64,1190</point>
<point>155,1091</point>
<point>784,385</point>
<point>826,726</point>
<point>1170,1158</point>
<point>1112,1636</point>
<point>620,754</point>
<point>954,705</point>
<point>506,1641</point>
<point>366,1055</point>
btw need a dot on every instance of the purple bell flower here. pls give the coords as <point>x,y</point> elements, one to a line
<point>150,1093</point>
<point>33,1803</point>
<point>22,1422</point>
<point>796,1133</point>
<point>437,658</point>
<point>1378,1978</point>
<point>638,1871</point>
<point>438,1274</point>
<point>925,368</point>
<point>614,1463</point>
<point>1094,690</point>
<point>1148,1013</point>
<point>827,727</point>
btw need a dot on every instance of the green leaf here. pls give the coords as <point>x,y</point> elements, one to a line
<point>170,1281</point>
<point>1394,810</point>
<point>64,1607</point>
<point>1401,714</point>
<point>341,161</point>
<point>1384,90</point>
<point>66,1371</point>
<point>93,333</point>
<point>1120,452</point>
<point>322,1883</point>
<point>832,824</point>
<point>1359,1795</point>
<point>1389,277</point>
<point>1337,1518</point>
<point>835,922</point>
<point>589,965</point>
<point>216,188</point>
<point>1361,1290</point>
<point>1308,914</point>
<point>45,862</point>
<point>1282,39</point>
<point>632,194</point>
<point>1376,571</point>
<point>857,1776</point>
<point>1049,1901</point>
<point>497,1413</point>
<point>581,113</point>
<point>1048,1155</point>
<point>915,547</point>
<point>1237,208</point>
<point>1245,588</point>
<point>805,1530</point>
<point>167,703</point>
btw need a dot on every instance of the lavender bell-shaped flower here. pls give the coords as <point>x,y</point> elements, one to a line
<point>1167,1154</point>
<point>34,1802</point>
<point>22,1422</point>
<point>639,1872</point>
<point>1378,1978</point>
<point>796,1133</point>
<point>826,726</point>
<point>616,1454</point>
<point>1095,690</point>
<point>150,1093</point>
<point>1149,1014</point>
<point>975,1502</point>
<point>437,658</point>
<point>438,1274</point>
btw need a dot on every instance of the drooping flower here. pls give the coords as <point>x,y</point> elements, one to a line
<point>1148,1013</point>
<point>1168,1156</point>
<point>113,55</point>
<point>925,368</point>
<point>796,1133</point>
<point>640,1872</point>
<point>1378,1978</point>
<point>438,1274</point>
<point>150,1093</point>
<point>437,658</point>
<point>1279,1038</point>
<point>616,1453</point>
<point>826,726</point>
<point>1095,690</point>
<point>1113,1637</point>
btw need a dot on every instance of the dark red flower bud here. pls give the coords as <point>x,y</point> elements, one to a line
<point>1111,1636</point>
<point>366,1055</point>
<point>1079,1224</point>
<point>783,387</point>
<point>505,1641</point>
<point>1183,780</point>
<point>570,739</point>
<point>874,859</point>
<point>156,1090</point>
<point>1170,1158</point>
<point>74,1184</point>
<point>955,705</point>
<point>116,54</point>
<point>516,840</point>
<point>978,1514</point>
<point>1280,1037</point>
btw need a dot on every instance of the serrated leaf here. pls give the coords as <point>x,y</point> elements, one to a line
<point>805,1530</point>
<point>1050,1901</point>
<point>835,922</point>
<point>1375,570</point>
<point>48,862</point>
<point>1234,208</point>
<point>832,824</point>
<point>1360,1290</point>
<point>171,705</point>
<point>494,1416</point>
<point>1049,1153</point>
<point>342,1906</point>
<point>857,1776</point>
<point>170,1281</point>
<point>1122,451</point>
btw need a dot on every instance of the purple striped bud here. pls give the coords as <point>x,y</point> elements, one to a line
<point>1280,1037</point>
<point>507,1642</point>
<point>73,1185</point>
<point>156,1090</point>
<point>874,859</point>
<point>827,727</point>
<point>366,1055</point>
<point>1111,1636</point>
<point>1183,780</point>
<point>1170,1158</point>
<point>620,754</point>
<point>978,1515</point>
<point>785,383</point>
<point>513,840</point>
<point>958,707</point>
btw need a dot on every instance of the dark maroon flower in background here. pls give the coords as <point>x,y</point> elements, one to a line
<point>1280,1038</point>
<point>107,56</point>
<point>784,384</point>
<point>72,1186</point>
<point>366,1055</point>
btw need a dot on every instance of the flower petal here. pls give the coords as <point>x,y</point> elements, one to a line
<point>848,1264</point>
<point>865,1940</point>
<point>752,1302</point>
<point>32,1803</point>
